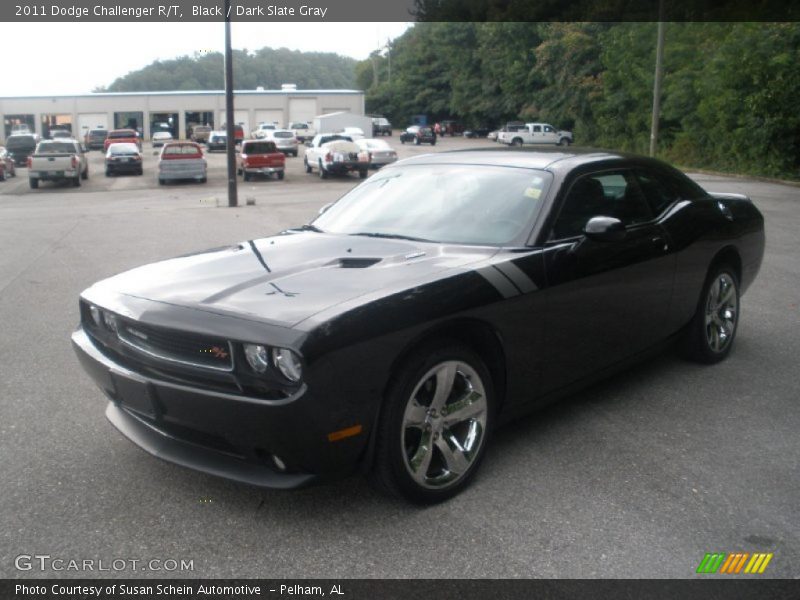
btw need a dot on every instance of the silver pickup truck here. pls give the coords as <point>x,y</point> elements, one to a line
<point>58,160</point>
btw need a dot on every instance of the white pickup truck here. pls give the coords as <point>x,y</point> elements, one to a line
<point>302,131</point>
<point>58,160</point>
<point>333,153</point>
<point>535,133</point>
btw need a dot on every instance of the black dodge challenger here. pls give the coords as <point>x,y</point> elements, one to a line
<point>442,296</point>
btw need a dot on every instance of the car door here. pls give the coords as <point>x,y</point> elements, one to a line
<point>549,135</point>
<point>605,301</point>
<point>536,134</point>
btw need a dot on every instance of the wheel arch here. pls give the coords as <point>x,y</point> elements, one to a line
<point>728,255</point>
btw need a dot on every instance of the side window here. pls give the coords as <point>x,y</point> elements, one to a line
<point>537,128</point>
<point>548,129</point>
<point>610,194</point>
<point>658,191</point>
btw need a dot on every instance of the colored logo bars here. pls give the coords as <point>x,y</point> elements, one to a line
<point>733,564</point>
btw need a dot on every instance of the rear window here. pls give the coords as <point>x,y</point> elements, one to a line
<point>283,134</point>
<point>56,148</point>
<point>98,133</point>
<point>259,148</point>
<point>176,149</point>
<point>19,142</point>
<point>121,134</point>
<point>202,129</point>
<point>123,149</point>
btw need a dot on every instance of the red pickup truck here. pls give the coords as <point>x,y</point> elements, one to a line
<point>260,157</point>
<point>122,135</point>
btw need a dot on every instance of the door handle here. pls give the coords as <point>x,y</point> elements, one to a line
<point>660,242</point>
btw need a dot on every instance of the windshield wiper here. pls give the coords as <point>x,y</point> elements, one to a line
<point>395,236</point>
<point>306,227</point>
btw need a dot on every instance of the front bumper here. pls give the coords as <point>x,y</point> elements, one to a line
<point>222,434</point>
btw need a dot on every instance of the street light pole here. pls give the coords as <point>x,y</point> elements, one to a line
<point>657,82</point>
<point>230,126</point>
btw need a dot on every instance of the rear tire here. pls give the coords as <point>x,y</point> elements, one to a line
<point>323,174</point>
<point>362,174</point>
<point>85,174</point>
<point>77,181</point>
<point>34,183</point>
<point>710,335</point>
<point>280,175</point>
<point>430,443</point>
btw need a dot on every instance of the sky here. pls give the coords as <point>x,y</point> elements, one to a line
<point>101,52</point>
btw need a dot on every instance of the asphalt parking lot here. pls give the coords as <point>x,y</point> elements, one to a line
<point>639,476</point>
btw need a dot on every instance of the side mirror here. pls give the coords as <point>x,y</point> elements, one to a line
<point>326,207</point>
<point>604,229</point>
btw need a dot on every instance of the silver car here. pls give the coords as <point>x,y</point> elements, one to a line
<point>181,160</point>
<point>284,140</point>
<point>380,153</point>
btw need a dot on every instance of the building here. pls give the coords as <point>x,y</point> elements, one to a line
<point>176,112</point>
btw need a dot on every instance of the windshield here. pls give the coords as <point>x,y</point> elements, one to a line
<point>461,204</point>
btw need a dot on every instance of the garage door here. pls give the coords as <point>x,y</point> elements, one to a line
<point>302,109</point>
<point>89,121</point>
<point>239,117</point>
<point>274,116</point>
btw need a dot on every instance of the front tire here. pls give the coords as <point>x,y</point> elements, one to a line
<point>308,166</point>
<point>709,336</point>
<point>435,426</point>
<point>323,174</point>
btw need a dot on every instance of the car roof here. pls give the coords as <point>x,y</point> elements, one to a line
<point>532,158</point>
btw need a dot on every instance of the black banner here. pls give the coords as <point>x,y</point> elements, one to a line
<point>398,10</point>
<point>734,588</point>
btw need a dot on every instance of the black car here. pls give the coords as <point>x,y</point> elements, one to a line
<point>478,132</point>
<point>217,141</point>
<point>381,126</point>
<point>20,146</point>
<point>445,295</point>
<point>123,158</point>
<point>418,134</point>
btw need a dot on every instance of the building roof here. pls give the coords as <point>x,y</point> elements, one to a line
<point>289,92</point>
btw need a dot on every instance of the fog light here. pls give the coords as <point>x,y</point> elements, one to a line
<point>279,464</point>
<point>97,316</point>
<point>256,355</point>
<point>111,321</point>
<point>288,363</point>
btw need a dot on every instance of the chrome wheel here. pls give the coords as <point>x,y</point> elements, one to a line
<point>721,312</point>
<point>444,425</point>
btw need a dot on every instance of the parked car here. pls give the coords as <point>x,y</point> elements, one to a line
<point>95,139</point>
<point>116,136</point>
<point>20,146</point>
<point>418,134</point>
<point>284,140</point>
<point>451,128</point>
<point>60,134</point>
<point>381,126</point>
<point>260,157</point>
<point>447,294</point>
<point>181,161</point>
<point>238,133</point>
<point>302,131</point>
<point>7,167</point>
<point>477,132</point>
<point>380,153</point>
<point>354,133</point>
<point>492,135</point>
<point>217,140</point>
<point>335,154</point>
<point>58,160</point>
<point>200,133</point>
<point>160,138</point>
<point>123,158</point>
<point>535,133</point>
<point>260,132</point>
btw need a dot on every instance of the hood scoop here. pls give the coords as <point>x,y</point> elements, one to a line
<point>356,263</point>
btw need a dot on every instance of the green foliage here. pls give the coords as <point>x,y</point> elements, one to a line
<point>266,67</point>
<point>729,93</point>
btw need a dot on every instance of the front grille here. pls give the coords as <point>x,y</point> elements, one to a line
<point>177,346</point>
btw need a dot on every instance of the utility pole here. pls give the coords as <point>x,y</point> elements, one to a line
<point>657,82</point>
<point>230,126</point>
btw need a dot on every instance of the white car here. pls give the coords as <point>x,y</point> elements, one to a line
<point>335,153</point>
<point>380,153</point>
<point>354,133</point>
<point>160,138</point>
<point>263,130</point>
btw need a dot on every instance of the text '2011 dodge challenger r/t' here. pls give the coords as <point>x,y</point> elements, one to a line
<point>442,296</point>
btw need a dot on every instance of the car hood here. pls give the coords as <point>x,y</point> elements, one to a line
<point>285,279</point>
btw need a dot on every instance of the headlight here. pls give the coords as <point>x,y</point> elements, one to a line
<point>288,363</point>
<point>256,355</point>
<point>111,321</point>
<point>97,316</point>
